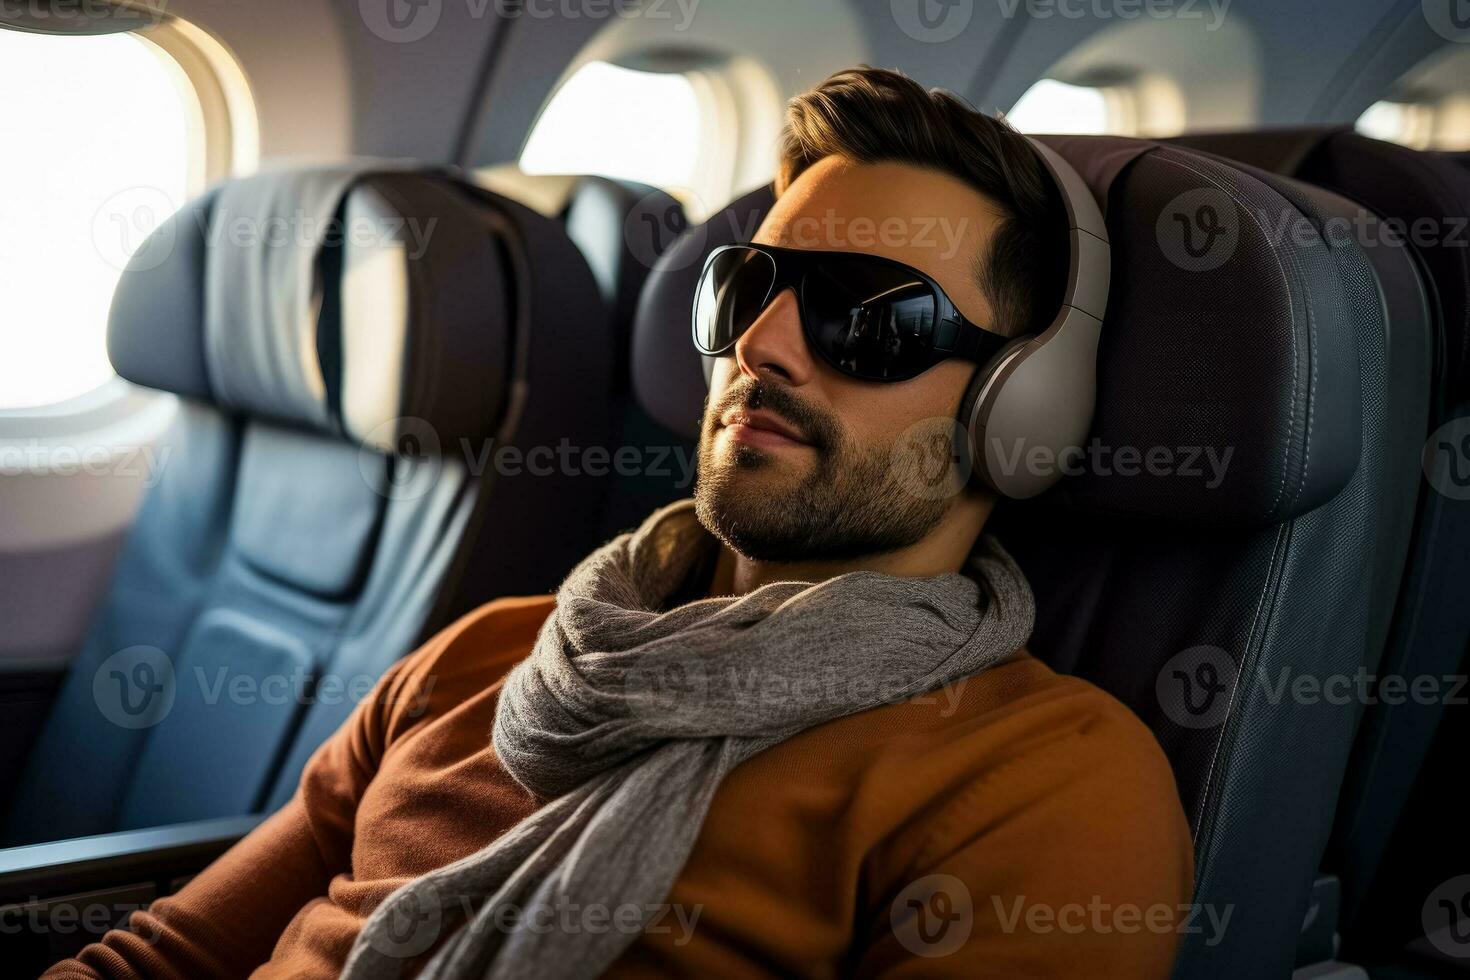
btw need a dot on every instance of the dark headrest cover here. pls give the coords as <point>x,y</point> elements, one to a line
<point>339,299</point>
<point>1425,195</point>
<point>621,227</point>
<point>426,312</point>
<point>668,377</point>
<point>1228,388</point>
<point>1420,190</point>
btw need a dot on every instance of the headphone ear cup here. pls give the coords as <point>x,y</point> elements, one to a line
<point>972,414</point>
<point>1036,408</point>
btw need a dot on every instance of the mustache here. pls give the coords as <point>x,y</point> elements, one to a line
<point>819,427</point>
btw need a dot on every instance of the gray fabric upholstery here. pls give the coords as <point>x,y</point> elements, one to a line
<point>454,378</point>
<point>263,290</point>
<point>253,270</point>
<point>1212,366</point>
<point>155,334</point>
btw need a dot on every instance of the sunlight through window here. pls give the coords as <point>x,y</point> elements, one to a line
<point>1397,122</point>
<point>619,123</point>
<point>97,148</point>
<point>1051,106</point>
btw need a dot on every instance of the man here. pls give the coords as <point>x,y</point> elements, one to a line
<point>789,729</point>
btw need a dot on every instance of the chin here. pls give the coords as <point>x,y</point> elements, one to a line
<point>743,468</point>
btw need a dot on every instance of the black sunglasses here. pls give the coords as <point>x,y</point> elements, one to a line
<point>869,317</point>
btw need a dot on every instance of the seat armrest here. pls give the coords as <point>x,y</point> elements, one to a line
<point>156,854</point>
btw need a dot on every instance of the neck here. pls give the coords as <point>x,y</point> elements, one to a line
<point>945,549</point>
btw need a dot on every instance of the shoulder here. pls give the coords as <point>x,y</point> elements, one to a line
<point>1020,739</point>
<point>1020,722</point>
<point>463,660</point>
<point>1054,810</point>
<point>1049,733</point>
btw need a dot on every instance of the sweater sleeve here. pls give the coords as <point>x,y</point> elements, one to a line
<point>1070,858</point>
<point>226,921</point>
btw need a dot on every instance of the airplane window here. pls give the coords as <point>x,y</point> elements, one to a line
<point>1441,123</point>
<point>100,130</point>
<point>1051,106</point>
<point>1397,122</point>
<point>1127,103</point>
<point>621,123</point>
<point>1428,107</point>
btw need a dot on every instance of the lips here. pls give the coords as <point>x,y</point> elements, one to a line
<point>759,427</point>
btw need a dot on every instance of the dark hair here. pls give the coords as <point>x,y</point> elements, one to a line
<point>874,115</point>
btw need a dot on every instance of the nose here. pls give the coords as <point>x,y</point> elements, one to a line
<point>774,344</point>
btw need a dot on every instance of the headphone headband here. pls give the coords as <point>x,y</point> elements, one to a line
<point>1039,392</point>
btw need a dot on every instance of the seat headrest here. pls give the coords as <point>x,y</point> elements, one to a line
<point>1228,389</point>
<point>621,227</point>
<point>1422,197</point>
<point>339,299</point>
<point>668,376</point>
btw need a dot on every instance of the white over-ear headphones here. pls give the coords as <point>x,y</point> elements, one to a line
<point>1033,402</point>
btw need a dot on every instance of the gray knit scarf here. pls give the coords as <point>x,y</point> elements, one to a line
<point>626,717</point>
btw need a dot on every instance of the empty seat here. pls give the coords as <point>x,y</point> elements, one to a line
<point>622,227</point>
<point>1256,365</point>
<point>350,347</point>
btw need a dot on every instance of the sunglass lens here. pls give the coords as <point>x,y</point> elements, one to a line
<point>734,289</point>
<point>870,319</point>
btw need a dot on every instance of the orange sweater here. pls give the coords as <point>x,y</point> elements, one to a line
<point>1025,825</point>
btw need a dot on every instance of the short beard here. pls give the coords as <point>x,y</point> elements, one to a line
<point>853,504</point>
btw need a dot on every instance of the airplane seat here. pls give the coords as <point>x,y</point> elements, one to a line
<point>1395,832</point>
<point>622,227</point>
<point>667,374</point>
<point>666,396</point>
<point>345,343</point>
<point>1225,523</point>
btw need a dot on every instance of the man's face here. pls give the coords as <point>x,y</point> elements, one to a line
<point>798,462</point>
